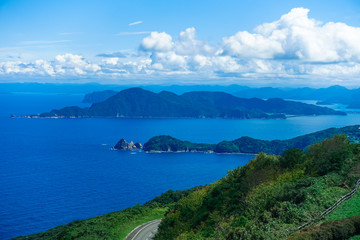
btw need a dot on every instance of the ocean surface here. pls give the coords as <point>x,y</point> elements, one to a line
<point>54,171</point>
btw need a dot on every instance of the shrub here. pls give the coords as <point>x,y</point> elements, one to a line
<point>330,154</point>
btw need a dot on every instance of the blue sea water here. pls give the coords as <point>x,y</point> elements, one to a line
<point>54,171</point>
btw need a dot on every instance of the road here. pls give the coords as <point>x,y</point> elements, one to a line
<point>146,231</point>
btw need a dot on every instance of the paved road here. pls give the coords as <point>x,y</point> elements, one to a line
<point>146,231</point>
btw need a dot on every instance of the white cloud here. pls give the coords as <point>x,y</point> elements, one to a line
<point>296,36</point>
<point>157,41</point>
<point>245,44</point>
<point>74,64</point>
<point>67,64</point>
<point>135,23</point>
<point>112,60</point>
<point>295,46</point>
<point>44,67</point>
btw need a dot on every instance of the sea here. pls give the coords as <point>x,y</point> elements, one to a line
<point>54,171</point>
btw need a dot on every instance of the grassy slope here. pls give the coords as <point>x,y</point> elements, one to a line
<point>116,225</point>
<point>348,209</point>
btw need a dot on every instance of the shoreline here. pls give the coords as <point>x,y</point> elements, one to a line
<point>175,152</point>
<point>37,116</point>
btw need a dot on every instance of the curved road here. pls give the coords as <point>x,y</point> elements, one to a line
<point>146,231</point>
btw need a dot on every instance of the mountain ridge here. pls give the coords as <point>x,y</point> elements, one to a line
<point>140,103</point>
<point>248,145</point>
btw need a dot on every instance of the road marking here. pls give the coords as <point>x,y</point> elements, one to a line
<point>143,227</point>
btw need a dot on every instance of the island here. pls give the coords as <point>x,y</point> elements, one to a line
<point>140,103</point>
<point>246,145</point>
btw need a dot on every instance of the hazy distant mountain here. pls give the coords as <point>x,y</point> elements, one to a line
<point>324,96</point>
<point>294,93</point>
<point>100,92</point>
<point>96,97</point>
<point>137,102</point>
<point>352,99</point>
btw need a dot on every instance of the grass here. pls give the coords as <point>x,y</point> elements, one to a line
<point>115,226</point>
<point>355,237</point>
<point>347,209</point>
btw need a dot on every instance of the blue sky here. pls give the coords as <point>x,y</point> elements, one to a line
<point>246,42</point>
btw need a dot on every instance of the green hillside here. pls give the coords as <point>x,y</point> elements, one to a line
<point>248,144</point>
<point>269,197</point>
<point>116,225</point>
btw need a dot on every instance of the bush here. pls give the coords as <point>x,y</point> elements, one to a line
<point>331,230</point>
<point>291,158</point>
<point>330,154</point>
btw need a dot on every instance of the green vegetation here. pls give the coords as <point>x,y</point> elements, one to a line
<point>167,143</point>
<point>338,229</point>
<point>226,147</point>
<point>137,102</point>
<point>251,145</point>
<point>350,208</point>
<point>270,196</point>
<point>170,197</point>
<point>116,225</point>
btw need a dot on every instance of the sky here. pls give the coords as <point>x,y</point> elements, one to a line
<point>248,42</point>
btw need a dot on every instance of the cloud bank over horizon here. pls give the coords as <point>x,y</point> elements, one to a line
<point>294,48</point>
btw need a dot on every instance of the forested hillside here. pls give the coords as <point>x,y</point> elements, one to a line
<point>270,196</point>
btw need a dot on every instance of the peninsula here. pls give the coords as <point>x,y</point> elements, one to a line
<point>246,145</point>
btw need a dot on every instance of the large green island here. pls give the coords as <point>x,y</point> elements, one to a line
<point>140,103</point>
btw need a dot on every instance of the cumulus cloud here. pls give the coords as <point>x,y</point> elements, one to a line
<point>74,64</point>
<point>157,41</point>
<point>294,46</point>
<point>63,65</point>
<point>296,36</point>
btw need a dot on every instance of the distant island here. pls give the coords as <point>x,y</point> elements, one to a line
<point>140,103</point>
<point>324,96</point>
<point>247,145</point>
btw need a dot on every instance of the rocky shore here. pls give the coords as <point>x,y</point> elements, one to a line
<point>123,145</point>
